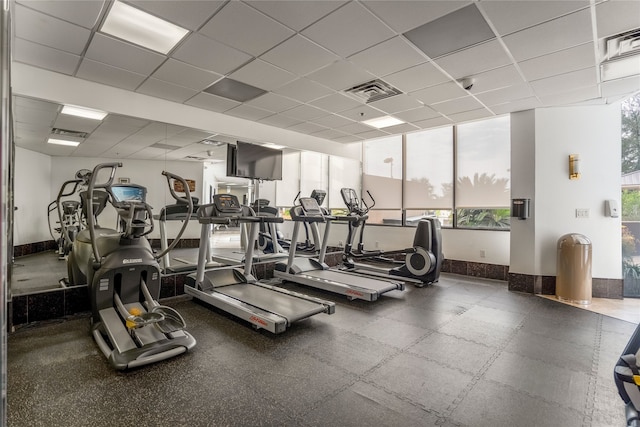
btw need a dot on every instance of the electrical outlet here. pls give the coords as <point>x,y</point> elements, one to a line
<point>482,253</point>
<point>340,243</point>
<point>377,245</point>
<point>582,213</point>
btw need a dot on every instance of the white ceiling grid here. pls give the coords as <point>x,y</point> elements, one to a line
<point>305,54</point>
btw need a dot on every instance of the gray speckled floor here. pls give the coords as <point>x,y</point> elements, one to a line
<point>460,353</point>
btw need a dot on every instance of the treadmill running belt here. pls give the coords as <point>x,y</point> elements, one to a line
<point>287,306</point>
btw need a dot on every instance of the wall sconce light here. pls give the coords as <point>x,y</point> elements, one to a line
<point>574,166</point>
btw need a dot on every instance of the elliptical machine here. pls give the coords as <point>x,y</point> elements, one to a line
<point>422,262</point>
<point>69,219</point>
<point>130,327</point>
<point>627,377</point>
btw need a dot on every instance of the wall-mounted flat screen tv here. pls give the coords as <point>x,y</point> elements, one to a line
<point>256,161</point>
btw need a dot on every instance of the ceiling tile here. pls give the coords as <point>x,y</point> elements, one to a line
<point>561,62</point>
<point>335,102</point>
<point>460,29</point>
<point>262,75</point>
<point>388,57</point>
<point>49,31</point>
<point>45,57</point>
<point>83,13</point>
<point>212,102</point>
<point>417,114</point>
<point>336,31</point>
<point>403,15</point>
<point>563,82</point>
<point>466,116</point>
<point>403,128</point>
<point>210,55</point>
<point>296,14</point>
<point>495,79</point>
<point>280,121</point>
<point>374,133</point>
<point>348,139</point>
<point>186,75</point>
<point>395,104</point>
<point>341,75</point>
<point>332,121</point>
<point>506,94</point>
<point>116,121</point>
<point>561,33</point>
<point>164,90</point>
<point>362,112</point>
<point>35,117</point>
<point>518,105</point>
<point>439,93</point>
<point>458,105</point>
<point>303,90</point>
<point>307,127</point>
<point>615,17</point>
<point>112,76</point>
<point>123,55</point>
<point>510,16</point>
<point>329,134</point>
<point>620,86</point>
<point>185,13</point>
<point>305,112</point>
<point>432,123</point>
<point>418,77</point>
<point>299,55</point>
<point>571,96</point>
<point>474,60</point>
<point>354,128</point>
<point>273,102</point>
<point>256,34</point>
<point>248,112</point>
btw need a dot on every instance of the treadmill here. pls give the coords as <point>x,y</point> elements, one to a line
<point>186,261</point>
<point>237,291</point>
<point>316,273</point>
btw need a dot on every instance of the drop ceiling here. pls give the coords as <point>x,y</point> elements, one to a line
<point>305,55</point>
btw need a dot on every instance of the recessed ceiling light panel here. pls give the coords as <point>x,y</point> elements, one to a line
<point>138,27</point>
<point>63,142</point>
<point>383,122</point>
<point>86,113</point>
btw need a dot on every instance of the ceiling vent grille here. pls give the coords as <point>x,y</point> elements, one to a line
<point>195,158</point>
<point>624,44</point>
<point>69,133</point>
<point>373,91</point>
<point>164,146</point>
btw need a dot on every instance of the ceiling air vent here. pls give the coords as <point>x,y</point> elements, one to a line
<point>69,133</point>
<point>164,146</point>
<point>623,44</point>
<point>372,91</point>
<point>195,158</point>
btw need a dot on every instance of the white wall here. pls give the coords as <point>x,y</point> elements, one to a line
<point>593,132</point>
<point>143,172</point>
<point>32,194</point>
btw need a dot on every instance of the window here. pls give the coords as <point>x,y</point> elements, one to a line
<point>382,178</point>
<point>483,174</point>
<point>428,183</point>
<point>287,189</point>
<point>343,172</point>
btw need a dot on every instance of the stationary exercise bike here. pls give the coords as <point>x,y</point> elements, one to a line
<point>422,262</point>
<point>627,377</point>
<point>130,327</point>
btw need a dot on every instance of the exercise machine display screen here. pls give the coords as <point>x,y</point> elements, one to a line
<point>310,206</point>
<point>227,203</point>
<point>128,193</point>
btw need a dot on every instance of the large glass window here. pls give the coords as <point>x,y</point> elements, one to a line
<point>287,189</point>
<point>314,173</point>
<point>343,172</point>
<point>483,174</point>
<point>428,184</point>
<point>382,177</point>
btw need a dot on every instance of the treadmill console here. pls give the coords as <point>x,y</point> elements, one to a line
<point>310,206</point>
<point>122,194</point>
<point>319,195</point>
<point>227,205</point>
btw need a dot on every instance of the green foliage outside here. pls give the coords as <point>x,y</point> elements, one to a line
<point>630,198</point>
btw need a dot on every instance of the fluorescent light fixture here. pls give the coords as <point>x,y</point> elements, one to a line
<point>383,122</point>
<point>274,146</point>
<point>63,142</point>
<point>87,113</point>
<point>141,28</point>
<point>625,66</point>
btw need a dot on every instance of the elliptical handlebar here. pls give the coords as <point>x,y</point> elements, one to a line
<point>188,200</point>
<point>92,185</point>
<point>367,207</point>
<point>62,194</point>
